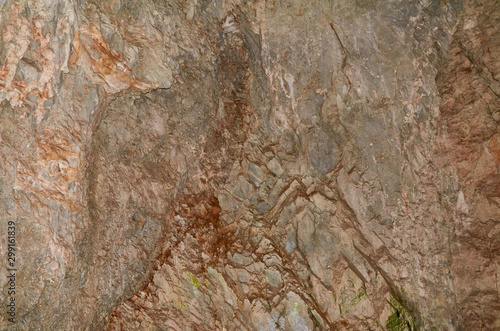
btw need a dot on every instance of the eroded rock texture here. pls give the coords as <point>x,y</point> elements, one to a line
<point>251,165</point>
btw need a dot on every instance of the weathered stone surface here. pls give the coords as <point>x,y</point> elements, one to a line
<point>254,165</point>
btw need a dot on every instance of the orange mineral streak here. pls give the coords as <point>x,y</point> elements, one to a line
<point>18,35</point>
<point>56,166</point>
<point>107,67</point>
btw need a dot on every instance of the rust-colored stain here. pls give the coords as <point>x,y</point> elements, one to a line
<point>108,67</point>
<point>19,35</point>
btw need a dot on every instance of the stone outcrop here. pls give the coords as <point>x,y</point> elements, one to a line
<point>251,165</point>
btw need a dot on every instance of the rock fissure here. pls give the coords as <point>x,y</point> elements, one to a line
<point>262,165</point>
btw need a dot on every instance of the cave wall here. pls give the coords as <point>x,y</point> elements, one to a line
<point>260,165</point>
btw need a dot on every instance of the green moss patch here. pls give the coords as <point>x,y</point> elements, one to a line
<point>400,320</point>
<point>194,280</point>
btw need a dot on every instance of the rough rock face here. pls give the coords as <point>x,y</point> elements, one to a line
<point>251,165</point>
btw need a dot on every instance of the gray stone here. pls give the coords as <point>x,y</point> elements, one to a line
<point>334,161</point>
<point>273,277</point>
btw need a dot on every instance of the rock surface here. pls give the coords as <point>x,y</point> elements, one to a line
<point>251,165</point>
